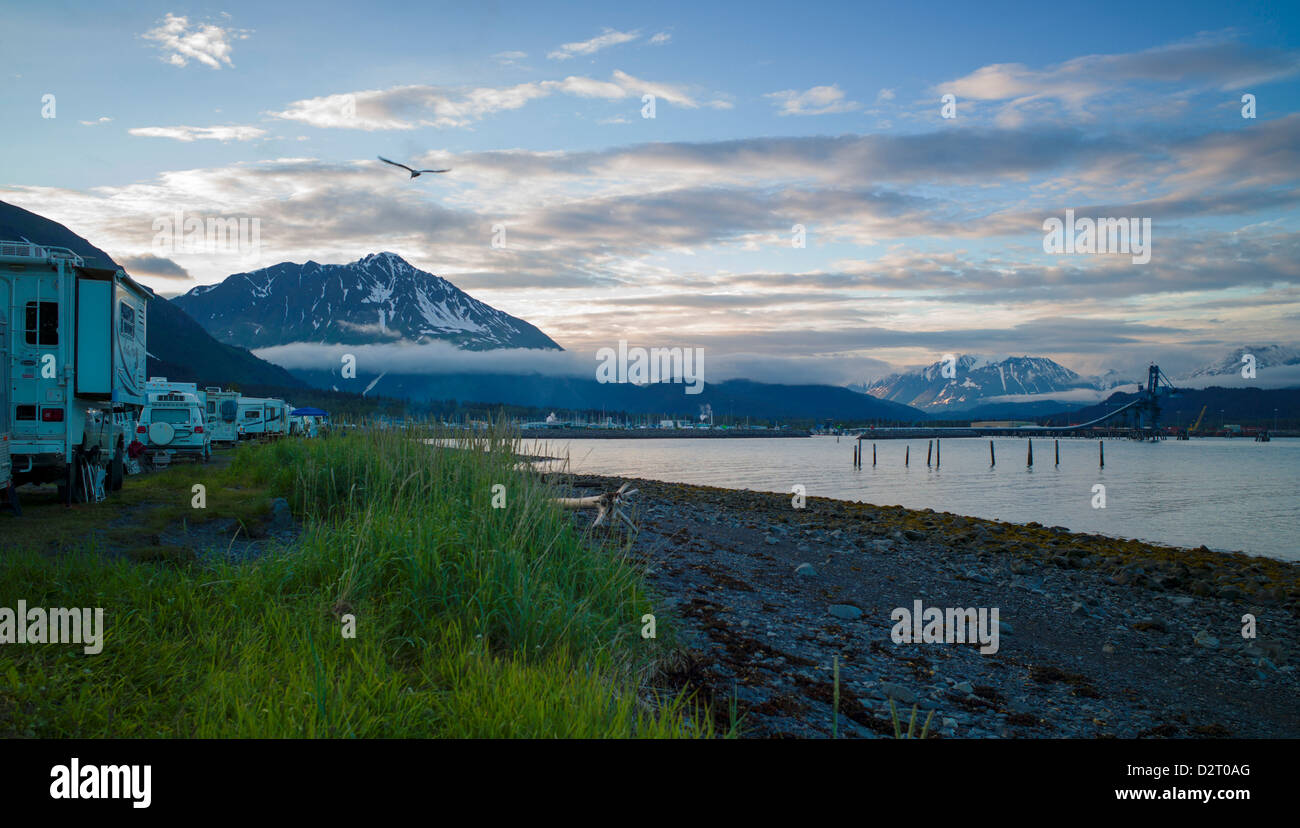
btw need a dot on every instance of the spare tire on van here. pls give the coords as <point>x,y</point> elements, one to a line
<point>161,433</point>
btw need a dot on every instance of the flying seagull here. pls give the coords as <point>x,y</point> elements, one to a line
<point>413,173</point>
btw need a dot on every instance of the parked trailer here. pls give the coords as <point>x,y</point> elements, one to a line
<point>262,418</point>
<point>223,415</point>
<point>73,355</point>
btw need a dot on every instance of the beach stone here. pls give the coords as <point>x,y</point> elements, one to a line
<point>805,570</point>
<point>897,692</point>
<point>963,687</point>
<point>1206,640</point>
<point>769,540</point>
<point>1182,600</point>
<point>1004,628</point>
<point>281,518</point>
<point>848,612</point>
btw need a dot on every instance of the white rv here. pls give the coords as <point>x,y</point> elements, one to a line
<point>262,418</point>
<point>158,385</point>
<point>72,362</point>
<point>223,415</point>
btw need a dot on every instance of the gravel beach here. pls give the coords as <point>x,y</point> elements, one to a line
<point>1098,637</point>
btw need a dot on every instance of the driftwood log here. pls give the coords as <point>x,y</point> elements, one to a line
<point>606,504</point>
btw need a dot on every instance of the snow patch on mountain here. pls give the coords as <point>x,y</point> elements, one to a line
<point>979,379</point>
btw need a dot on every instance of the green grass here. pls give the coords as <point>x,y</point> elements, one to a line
<point>470,621</point>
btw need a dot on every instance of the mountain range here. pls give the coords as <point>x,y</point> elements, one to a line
<point>1266,356</point>
<point>204,336</point>
<point>975,379</point>
<point>378,298</point>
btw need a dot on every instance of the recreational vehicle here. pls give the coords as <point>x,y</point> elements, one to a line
<point>223,415</point>
<point>162,384</point>
<point>262,418</point>
<point>173,424</point>
<point>72,367</point>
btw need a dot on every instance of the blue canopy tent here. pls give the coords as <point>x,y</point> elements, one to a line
<point>308,412</point>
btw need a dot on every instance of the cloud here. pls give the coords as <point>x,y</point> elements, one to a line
<point>411,107</point>
<point>917,242</point>
<point>660,39</point>
<point>189,133</point>
<point>97,122</point>
<point>207,43</point>
<point>819,100</point>
<point>1213,62</point>
<point>439,358</point>
<point>607,38</point>
<point>509,58</point>
<point>150,265</point>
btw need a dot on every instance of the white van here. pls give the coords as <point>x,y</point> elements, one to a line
<point>173,424</point>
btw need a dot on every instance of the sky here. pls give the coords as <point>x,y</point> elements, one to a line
<point>567,206</point>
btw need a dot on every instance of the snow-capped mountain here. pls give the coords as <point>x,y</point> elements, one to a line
<point>977,378</point>
<point>379,298</point>
<point>1266,356</point>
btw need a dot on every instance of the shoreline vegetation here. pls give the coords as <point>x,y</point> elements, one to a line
<point>470,621</point>
<point>523,621</point>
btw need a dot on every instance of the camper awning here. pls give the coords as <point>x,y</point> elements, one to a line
<point>308,412</point>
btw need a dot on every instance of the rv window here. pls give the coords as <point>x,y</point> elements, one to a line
<point>252,414</point>
<point>47,323</point>
<point>212,407</point>
<point>128,319</point>
<point>176,416</point>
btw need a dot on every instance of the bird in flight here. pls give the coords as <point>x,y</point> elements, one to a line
<point>413,173</point>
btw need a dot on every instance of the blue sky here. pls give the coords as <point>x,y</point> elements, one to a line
<point>923,233</point>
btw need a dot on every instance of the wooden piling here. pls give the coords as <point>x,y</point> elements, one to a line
<point>1058,451</point>
<point>873,455</point>
<point>929,449</point>
<point>936,454</point>
<point>1101,453</point>
<point>1031,452</point>
<point>993,459</point>
<point>907,455</point>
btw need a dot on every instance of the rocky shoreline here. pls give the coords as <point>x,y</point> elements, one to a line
<point>1098,637</point>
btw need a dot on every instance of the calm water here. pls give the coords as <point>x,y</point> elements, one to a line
<point>1226,494</point>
